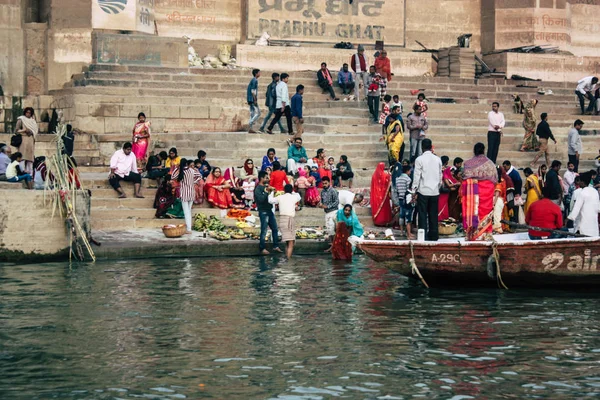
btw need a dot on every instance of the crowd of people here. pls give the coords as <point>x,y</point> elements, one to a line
<point>181,183</point>
<point>487,198</point>
<point>423,188</point>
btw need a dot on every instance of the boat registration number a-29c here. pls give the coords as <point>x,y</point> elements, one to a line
<point>446,258</point>
<point>585,262</point>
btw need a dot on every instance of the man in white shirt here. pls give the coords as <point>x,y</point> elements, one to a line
<point>496,123</point>
<point>575,147</point>
<point>569,178</point>
<point>287,213</point>
<point>587,207</point>
<point>426,184</point>
<point>282,105</point>
<point>347,197</point>
<point>123,167</point>
<point>585,88</point>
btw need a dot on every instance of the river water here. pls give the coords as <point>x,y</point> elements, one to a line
<point>263,328</point>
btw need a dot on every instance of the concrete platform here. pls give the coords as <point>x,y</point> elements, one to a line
<point>145,243</point>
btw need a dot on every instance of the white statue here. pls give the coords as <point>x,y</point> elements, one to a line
<point>263,40</point>
<point>193,59</point>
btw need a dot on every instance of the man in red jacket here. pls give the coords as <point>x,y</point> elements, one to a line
<point>544,214</point>
<point>360,65</point>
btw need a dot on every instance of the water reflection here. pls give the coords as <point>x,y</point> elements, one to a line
<point>267,328</point>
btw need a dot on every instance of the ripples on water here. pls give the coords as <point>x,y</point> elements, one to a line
<point>306,329</point>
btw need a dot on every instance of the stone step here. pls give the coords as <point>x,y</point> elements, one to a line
<point>226,89</point>
<point>138,70</point>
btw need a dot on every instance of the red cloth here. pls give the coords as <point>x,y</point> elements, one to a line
<point>321,163</point>
<point>486,200</point>
<point>381,207</point>
<point>341,248</point>
<point>278,178</point>
<point>384,67</point>
<point>544,214</point>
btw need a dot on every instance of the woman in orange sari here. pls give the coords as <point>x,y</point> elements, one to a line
<point>381,206</point>
<point>141,140</point>
<point>217,190</point>
<point>477,190</point>
<point>321,161</point>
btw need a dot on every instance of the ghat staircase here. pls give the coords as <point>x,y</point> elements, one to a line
<point>194,109</point>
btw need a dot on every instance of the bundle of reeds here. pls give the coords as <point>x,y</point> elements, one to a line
<point>61,194</point>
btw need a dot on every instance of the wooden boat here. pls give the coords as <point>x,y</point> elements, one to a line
<point>522,262</point>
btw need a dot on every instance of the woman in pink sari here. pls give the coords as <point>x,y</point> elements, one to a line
<point>141,140</point>
<point>217,190</point>
<point>480,177</point>
<point>451,186</point>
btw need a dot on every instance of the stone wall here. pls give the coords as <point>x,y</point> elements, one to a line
<point>547,67</point>
<point>12,47</point>
<point>27,228</point>
<point>438,23</point>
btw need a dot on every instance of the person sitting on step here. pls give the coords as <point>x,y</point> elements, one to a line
<point>14,173</point>
<point>123,165</point>
<point>346,80</point>
<point>325,81</point>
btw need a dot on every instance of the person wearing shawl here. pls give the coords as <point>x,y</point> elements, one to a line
<point>321,162</point>
<point>394,137</point>
<point>541,175</point>
<point>446,204</point>
<point>533,189</point>
<point>268,160</point>
<point>530,142</point>
<point>28,128</point>
<point>380,196</point>
<point>477,190</point>
<point>384,68</point>
<point>348,231</point>
<point>238,196</point>
<point>326,81</point>
<point>249,176</point>
<point>217,190</point>
<point>141,140</point>
<point>503,200</point>
<point>312,198</point>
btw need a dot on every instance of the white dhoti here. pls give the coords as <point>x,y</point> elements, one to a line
<point>293,166</point>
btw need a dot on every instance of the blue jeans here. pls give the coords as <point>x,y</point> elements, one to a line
<point>582,98</point>
<point>24,177</point>
<point>267,220</point>
<point>268,117</point>
<point>254,114</point>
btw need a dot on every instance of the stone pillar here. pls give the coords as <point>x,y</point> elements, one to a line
<point>35,58</point>
<point>12,48</point>
<point>69,40</point>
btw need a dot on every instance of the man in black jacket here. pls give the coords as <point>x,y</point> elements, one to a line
<point>544,133</point>
<point>518,185</point>
<point>325,80</point>
<point>552,188</point>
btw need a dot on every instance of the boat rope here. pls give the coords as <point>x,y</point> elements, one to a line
<point>413,265</point>
<point>497,258</point>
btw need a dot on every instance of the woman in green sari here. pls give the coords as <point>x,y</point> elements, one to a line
<point>349,230</point>
<point>530,142</point>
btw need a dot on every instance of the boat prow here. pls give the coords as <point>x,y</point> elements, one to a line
<point>522,262</point>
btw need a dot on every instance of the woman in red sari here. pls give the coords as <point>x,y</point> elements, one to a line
<point>451,186</point>
<point>381,207</point>
<point>217,190</point>
<point>141,140</point>
<point>321,161</point>
<point>480,177</point>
